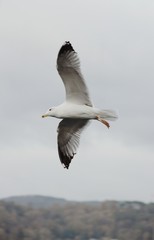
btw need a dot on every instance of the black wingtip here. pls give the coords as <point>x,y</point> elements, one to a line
<point>65,160</point>
<point>66,166</point>
<point>67,47</point>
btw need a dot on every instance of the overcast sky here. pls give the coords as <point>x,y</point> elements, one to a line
<point>115,43</point>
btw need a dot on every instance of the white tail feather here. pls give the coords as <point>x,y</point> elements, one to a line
<point>108,115</point>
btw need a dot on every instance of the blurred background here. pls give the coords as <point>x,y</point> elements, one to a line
<point>114,41</point>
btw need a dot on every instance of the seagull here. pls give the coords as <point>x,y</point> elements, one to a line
<point>77,109</point>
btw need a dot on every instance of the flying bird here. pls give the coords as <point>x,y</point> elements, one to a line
<point>77,109</point>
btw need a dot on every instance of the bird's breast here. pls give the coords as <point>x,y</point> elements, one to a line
<point>75,111</point>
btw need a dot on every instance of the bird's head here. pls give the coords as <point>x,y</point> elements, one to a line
<point>50,113</point>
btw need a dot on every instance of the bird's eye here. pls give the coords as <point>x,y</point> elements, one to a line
<point>50,109</point>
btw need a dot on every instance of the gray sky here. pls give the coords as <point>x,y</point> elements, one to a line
<point>114,40</point>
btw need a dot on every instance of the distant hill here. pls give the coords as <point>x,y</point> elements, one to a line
<point>41,217</point>
<point>36,201</point>
<point>39,201</point>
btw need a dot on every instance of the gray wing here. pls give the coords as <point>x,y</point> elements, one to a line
<point>68,138</point>
<point>68,66</point>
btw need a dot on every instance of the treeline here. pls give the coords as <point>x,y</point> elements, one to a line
<point>78,221</point>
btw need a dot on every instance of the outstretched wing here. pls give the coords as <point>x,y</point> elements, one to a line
<point>69,131</point>
<point>68,66</point>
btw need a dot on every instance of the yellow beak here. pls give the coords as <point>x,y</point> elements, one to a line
<point>45,115</point>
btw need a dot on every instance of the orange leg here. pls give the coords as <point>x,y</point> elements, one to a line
<point>103,121</point>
